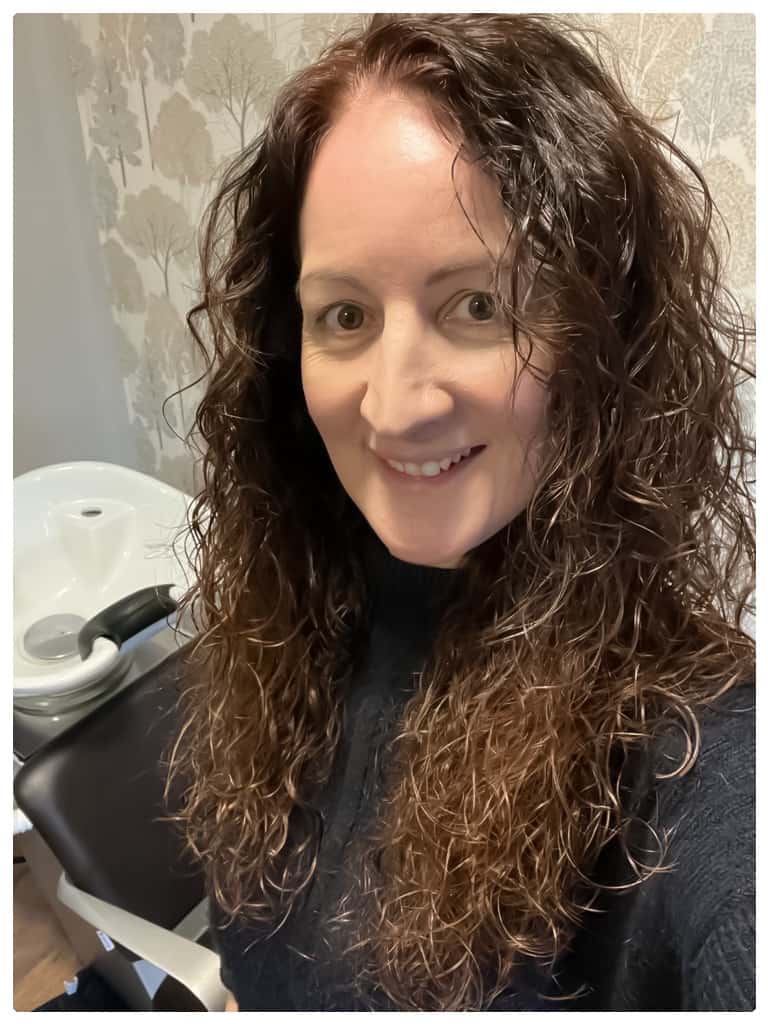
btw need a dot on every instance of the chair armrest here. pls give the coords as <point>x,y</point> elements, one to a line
<point>194,966</point>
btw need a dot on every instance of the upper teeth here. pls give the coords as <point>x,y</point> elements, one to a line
<point>428,468</point>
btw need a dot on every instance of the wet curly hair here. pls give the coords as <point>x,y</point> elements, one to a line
<point>613,605</point>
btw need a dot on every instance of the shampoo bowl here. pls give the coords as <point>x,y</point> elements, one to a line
<point>98,557</point>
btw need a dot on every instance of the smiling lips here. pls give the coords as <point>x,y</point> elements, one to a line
<point>433,468</point>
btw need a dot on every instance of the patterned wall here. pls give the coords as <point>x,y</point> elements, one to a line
<point>166,100</point>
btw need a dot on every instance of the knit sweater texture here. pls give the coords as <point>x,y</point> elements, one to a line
<point>683,940</point>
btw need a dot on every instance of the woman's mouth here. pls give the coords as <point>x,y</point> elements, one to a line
<point>430,474</point>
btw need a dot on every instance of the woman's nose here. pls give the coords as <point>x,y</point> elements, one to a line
<point>408,410</point>
<point>406,380</point>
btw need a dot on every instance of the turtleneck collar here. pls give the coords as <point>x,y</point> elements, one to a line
<point>400,588</point>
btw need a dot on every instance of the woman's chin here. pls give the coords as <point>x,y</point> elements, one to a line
<point>426,554</point>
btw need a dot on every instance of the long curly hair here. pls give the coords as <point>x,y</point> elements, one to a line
<point>612,606</point>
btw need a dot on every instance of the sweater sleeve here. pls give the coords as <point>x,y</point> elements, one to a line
<point>722,971</point>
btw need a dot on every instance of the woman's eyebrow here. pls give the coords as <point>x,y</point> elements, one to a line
<point>449,270</point>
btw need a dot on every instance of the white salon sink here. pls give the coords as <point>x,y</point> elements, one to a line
<point>89,537</point>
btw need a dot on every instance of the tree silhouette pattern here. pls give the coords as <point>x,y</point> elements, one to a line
<point>156,228</point>
<point>183,144</point>
<point>232,68</point>
<point>115,126</point>
<point>129,39</point>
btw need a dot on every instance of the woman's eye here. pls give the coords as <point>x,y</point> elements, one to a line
<point>479,306</point>
<point>344,315</point>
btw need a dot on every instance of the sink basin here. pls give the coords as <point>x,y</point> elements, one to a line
<point>89,537</point>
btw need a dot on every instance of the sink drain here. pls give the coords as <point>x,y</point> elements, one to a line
<point>53,637</point>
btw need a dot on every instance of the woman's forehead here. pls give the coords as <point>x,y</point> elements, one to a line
<point>386,175</point>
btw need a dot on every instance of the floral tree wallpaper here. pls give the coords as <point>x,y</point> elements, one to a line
<point>167,100</point>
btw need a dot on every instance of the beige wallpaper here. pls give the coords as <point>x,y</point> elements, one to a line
<point>166,100</point>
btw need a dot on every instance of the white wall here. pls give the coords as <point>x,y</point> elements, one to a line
<point>69,401</point>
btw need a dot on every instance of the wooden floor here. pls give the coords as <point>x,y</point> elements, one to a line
<point>42,956</point>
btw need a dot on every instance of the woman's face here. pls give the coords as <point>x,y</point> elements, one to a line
<point>402,354</point>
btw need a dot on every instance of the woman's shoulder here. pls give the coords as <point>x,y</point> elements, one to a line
<point>702,820</point>
<point>721,775</point>
<point>721,780</point>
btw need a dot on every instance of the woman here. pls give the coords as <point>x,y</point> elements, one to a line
<point>471,734</point>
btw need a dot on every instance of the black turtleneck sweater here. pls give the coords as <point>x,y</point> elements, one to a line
<point>683,940</point>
